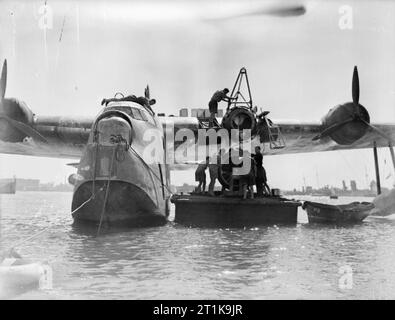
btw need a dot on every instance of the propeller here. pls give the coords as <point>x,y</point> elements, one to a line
<point>17,125</point>
<point>333,128</point>
<point>354,116</point>
<point>379,132</point>
<point>355,99</point>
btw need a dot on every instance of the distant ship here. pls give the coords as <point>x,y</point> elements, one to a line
<point>8,186</point>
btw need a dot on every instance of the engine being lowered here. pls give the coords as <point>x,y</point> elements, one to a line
<point>242,115</point>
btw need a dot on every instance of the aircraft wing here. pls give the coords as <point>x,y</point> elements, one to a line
<point>57,137</point>
<point>66,137</point>
<point>298,137</point>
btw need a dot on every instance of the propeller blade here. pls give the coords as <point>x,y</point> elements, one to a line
<point>381,133</point>
<point>355,86</point>
<point>3,80</point>
<point>328,131</point>
<point>24,128</point>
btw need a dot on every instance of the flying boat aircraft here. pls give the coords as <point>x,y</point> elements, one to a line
<point>116,185</point>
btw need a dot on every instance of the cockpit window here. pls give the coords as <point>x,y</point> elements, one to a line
<point>143,115</point>
<point>135,113</point>
<point>121,108</point>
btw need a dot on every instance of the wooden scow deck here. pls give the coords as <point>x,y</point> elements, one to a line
<point>219,211</point>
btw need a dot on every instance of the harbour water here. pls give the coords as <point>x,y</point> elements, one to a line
<point>175,262</point>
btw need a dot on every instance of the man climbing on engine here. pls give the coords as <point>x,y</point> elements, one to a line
<point>218,96</point>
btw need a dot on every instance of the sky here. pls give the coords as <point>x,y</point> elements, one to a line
<point>298,67</point>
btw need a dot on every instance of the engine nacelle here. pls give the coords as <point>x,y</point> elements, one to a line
<point>351,131</point>
<point>240,118</point>
<point>16,110</point>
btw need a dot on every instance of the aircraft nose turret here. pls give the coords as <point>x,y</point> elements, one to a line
<point>111,128</point>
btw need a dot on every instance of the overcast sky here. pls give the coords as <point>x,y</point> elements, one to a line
<point>298,67</point>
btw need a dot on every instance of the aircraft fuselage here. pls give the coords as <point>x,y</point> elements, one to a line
<point>121,178</point>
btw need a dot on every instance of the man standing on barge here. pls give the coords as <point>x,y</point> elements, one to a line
<point>261,179</point>
<point>200,176</point>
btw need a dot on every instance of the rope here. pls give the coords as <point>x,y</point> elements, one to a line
<point>107,190</point>
<point>85,202</point>
<point>29,238</point>
<point>47,228</point>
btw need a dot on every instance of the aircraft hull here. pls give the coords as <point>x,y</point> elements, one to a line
<point>127,205</point>
<point>127,191</point>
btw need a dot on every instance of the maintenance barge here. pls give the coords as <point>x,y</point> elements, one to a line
<point>202,210</point>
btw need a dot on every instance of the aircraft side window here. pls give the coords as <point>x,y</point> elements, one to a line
<point>143,115</point>
<point>126,110</point>
<point>123,109</point>
<point>147,117</point>
<point>136,114</point>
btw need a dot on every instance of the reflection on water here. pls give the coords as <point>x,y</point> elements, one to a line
<point>175,262</point>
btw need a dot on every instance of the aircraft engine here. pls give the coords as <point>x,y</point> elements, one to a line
<point>240,118</point>
<point>15,116</point>
<point>348,121</point>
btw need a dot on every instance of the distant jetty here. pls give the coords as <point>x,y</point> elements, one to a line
<point>10,186</point>
<point>7,186</point>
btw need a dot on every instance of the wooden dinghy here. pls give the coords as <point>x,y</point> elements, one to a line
<point>346,213</point>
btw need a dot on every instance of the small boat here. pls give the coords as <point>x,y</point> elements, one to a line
<point>346,213</point>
